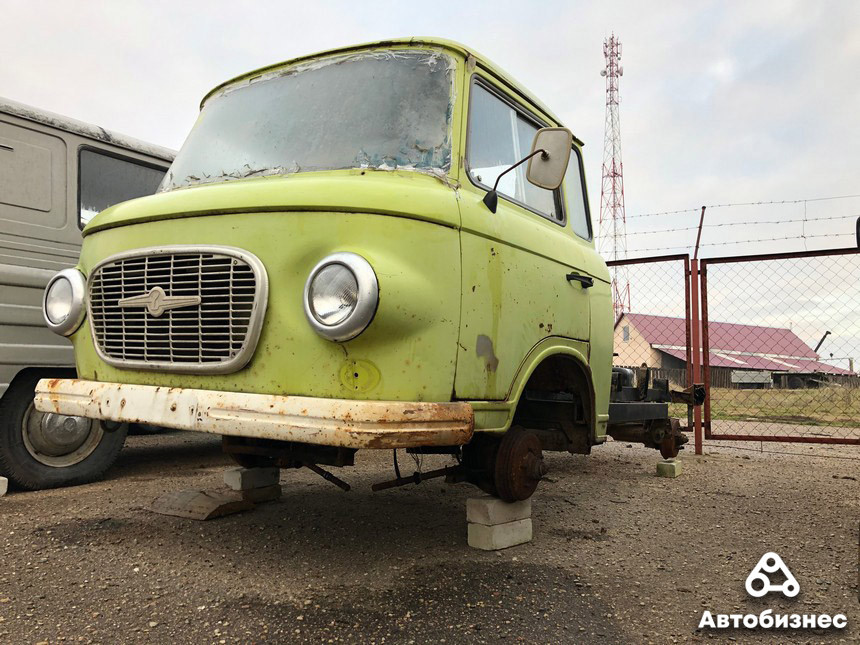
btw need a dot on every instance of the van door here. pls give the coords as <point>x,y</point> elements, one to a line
<point>517,261</point>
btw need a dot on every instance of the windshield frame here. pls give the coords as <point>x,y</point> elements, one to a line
<point>452,58</point>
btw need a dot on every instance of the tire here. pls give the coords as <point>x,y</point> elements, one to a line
<point>22,462</point>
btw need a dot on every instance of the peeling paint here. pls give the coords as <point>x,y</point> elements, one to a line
<point>484,349</point>
<point>329,422</point>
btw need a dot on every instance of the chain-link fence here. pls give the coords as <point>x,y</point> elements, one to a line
<point>653,327</point>
<point>781,347</point>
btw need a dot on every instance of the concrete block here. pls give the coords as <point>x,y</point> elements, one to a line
<point>246,478</point>
<point>4,486</point>
<point>489,510</point>
<point>260,495</point>
<point>500,536</point>
<point>668,468</point>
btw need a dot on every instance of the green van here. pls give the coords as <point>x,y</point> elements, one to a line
<point>346,254</point>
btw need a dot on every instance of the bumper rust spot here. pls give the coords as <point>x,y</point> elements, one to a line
<point>334,422</point>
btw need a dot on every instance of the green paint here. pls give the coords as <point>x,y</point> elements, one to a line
<point>470,301</point>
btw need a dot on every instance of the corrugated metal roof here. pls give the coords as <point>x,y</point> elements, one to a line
<point>756,362</point>
<point>733,345</point>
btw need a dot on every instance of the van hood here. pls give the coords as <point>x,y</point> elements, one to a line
<point>402,193</point>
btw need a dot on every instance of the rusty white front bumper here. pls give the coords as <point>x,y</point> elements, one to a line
<point>329,422</point>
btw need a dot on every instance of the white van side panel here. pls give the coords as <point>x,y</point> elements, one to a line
<point>24,339</point>
<point>39,231</point>
<point>37,239</point>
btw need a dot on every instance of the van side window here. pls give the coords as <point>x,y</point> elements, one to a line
<point>499,136</point>
<point>105,180</point>
<point>577,209</point>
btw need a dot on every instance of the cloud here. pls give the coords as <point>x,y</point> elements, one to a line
<point>721,101</point>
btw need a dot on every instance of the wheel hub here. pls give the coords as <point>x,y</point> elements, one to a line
<point>57,439</point>
<point>58,434</point>
<point>519,465</point>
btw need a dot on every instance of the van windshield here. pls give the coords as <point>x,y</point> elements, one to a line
<point>384,109</point>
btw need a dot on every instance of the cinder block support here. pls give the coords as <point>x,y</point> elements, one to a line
<point>248,478</point>
<point>489,510</point>
<point>500,536</point>
<point>494,524</point>
<point>669,468</point>
<point>4,486</point>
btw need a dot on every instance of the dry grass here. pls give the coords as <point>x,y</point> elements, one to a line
<point>830,406</point>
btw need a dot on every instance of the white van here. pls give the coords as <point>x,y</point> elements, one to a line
<point>55,175</point>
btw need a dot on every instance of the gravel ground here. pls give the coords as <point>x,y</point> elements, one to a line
<point>619,555</point>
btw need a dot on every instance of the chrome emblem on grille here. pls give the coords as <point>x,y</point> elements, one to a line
<point>157,302</point>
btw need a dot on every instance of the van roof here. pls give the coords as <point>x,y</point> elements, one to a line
<point>481,61</point>
<point>8,106</point>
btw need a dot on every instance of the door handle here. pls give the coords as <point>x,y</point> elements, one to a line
<point>586,281</point>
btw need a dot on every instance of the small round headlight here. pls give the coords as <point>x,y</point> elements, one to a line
<point>58,301</point>
<point>63,303</point>
<point>341,295</point>
<point>333,294</point>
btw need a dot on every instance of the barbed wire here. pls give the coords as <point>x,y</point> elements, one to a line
<point>776,221</point>
<point>733,204</point>
<point>763,239</point>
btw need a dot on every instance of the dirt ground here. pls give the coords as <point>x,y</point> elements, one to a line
<point>619,555</point>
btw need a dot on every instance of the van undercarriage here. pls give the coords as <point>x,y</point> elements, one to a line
<point>296,432</point>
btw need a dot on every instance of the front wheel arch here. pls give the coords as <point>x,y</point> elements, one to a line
<point>558,370</point>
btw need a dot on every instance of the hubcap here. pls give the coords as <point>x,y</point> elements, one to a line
<point>59,440</point>
<point>519,465</point>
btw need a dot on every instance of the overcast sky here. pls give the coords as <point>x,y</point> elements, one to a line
<point>721,101</point>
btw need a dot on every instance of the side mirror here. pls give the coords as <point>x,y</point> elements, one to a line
<point>547,162</point>
<point>547,170</point>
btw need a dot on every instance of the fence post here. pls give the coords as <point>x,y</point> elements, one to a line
<point>706,348</point>
<point>687,336</point>
<point>697,371</point>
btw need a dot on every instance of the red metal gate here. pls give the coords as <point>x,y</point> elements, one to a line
<point>781,342</point>
<point>657,330</point>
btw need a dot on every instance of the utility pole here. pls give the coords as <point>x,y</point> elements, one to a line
<point>613,220</point>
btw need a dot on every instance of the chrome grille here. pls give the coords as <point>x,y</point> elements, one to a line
<point>178,308</point>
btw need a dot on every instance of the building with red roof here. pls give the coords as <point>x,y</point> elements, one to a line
<point>746,354</point>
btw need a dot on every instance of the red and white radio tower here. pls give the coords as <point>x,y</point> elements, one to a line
<point>613,221</point>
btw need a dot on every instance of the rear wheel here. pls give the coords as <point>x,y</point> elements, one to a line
<point>45,450</point>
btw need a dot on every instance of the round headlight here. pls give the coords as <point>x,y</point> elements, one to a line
<point>341,295</point>
<point>333,294</point>
<point>58,301</point>
<point>63,304</point>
